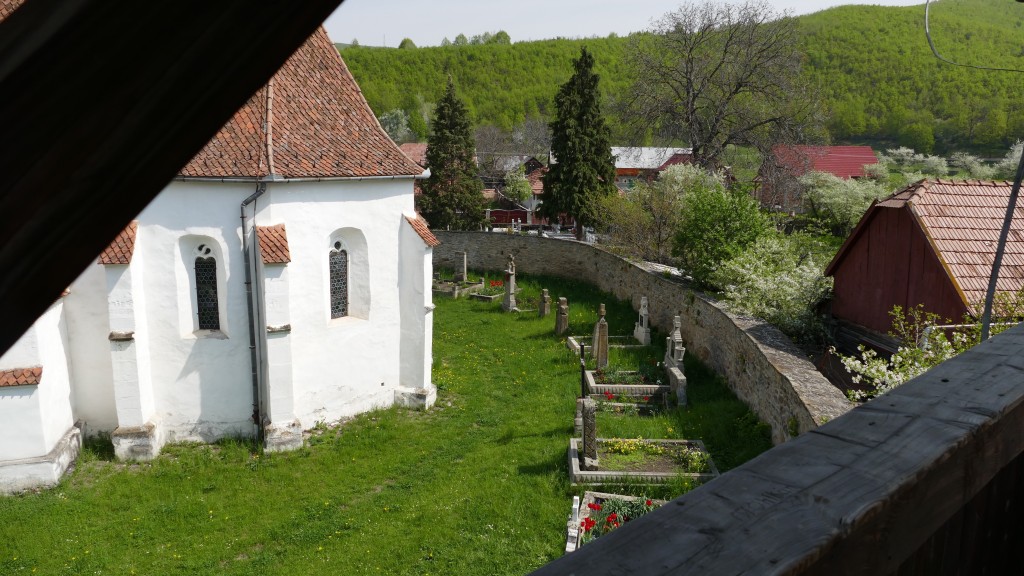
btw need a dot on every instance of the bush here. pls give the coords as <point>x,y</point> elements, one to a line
<point>836,203</point>
<point>717,225</point>
<point>778,281</point>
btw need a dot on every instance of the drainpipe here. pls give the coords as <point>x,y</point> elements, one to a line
<point>251,300</point>
<point>250,248</point>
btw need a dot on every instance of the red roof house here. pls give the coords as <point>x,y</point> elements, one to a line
<point>932,243</point>
<point>779,190</point>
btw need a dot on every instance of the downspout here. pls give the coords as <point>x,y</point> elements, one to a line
<point>252,296</point>
<point>251,301</point>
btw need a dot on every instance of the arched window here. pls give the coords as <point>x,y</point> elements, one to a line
<point>206,289</point>
<point>338,263</point>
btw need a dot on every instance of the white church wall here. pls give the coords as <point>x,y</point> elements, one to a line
<point>88,324</point>
<point>200,378</point>
<point>347,365</point>
<point>37,415</point>
<point>55,386</point>
<point>417,309</point>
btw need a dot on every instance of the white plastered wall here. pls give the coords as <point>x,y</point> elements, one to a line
<point>200,378</point>
<point>37,416</point>
<point>417,309</point>
<point>348,365</point>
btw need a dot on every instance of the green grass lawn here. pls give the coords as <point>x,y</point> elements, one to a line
<point>477,485</point>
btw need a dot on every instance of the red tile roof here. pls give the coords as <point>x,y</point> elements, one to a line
<point>21,376</point>
<point>536,179</point>
<point>416,151</point>
<point>842,161</point>
<point>420,226</point>
<point>319,125</point>
<point>121,249</point>
<point>273,244</point>
<point>962,221</point>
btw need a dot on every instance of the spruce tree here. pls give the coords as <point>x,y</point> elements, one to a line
<point>582,169</point>
<point>453,195</point>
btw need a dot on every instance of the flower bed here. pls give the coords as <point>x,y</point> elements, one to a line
<point>599,513</point>
<point>626,382</point>
<point>624,460</point>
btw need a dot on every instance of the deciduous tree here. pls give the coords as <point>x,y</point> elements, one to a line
<point>713,74</point>
<point>452,196</point>
<point>583,169</point>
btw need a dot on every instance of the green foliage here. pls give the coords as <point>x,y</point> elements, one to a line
<point>452,196</point>
<point>517,187</point>
<point>927,341</point>
<point>837,204</point>
<point>610,513</point>
<point>879,81</point>
<point>717,225</point>
<point>406,44</point>
<point>643,221</point>
<point>714,74</point>
<point>503,84</point>
<point>396,124</point>
<point>584,170</point>
<point>779,279</point>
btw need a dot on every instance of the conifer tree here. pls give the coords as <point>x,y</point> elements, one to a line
<point>583,169</point>
<point>453,194</point>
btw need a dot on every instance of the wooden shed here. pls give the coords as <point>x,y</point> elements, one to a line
<point>932,243</point>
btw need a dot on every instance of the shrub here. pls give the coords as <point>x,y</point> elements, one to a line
<point>717,225</point>
<point>776,280</point>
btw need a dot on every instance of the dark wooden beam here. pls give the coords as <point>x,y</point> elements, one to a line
<point>101,103</point>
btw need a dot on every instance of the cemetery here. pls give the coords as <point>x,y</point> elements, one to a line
<point>458,480</point>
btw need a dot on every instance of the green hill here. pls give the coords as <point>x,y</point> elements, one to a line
<point>880,82</point>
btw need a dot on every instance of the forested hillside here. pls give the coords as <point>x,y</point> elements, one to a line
<point>501,84</point>
<point>880,82</point>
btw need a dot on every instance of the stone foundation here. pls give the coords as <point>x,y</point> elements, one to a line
<point>43,471</point>
<point>419,399</point>
<point>282,437</point>
<point>137,442</point>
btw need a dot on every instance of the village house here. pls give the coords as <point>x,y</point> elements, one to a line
<point>932,243</point>
<point>778,188</point>
<point>644,164</point>
<point>281,279</point>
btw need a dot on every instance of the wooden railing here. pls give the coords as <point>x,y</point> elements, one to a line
<point>927,479</point>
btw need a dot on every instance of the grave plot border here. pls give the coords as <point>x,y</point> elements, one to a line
<point>578,476</point>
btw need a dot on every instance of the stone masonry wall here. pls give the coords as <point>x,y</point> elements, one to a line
<point>762,366</point>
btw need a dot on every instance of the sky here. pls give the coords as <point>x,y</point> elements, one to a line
<point>387,22</point>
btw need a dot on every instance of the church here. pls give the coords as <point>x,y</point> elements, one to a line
<point>280,280</point>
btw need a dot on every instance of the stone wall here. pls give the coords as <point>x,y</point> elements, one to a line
<point>762,366</point>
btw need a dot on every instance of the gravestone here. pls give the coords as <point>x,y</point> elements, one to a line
<point>642,330</point>
<point>588,460</point>
<point>509,303</point>
<point>562,316</point>
<point>545,303</point>
<point>600,341</point>
<point>674,353</point>
<point>461,275</point>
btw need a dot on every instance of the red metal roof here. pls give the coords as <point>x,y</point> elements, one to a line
<point>121,249</point>
<point>319,126</point>
<point>273,244</point>
<point>841,161</point>
<point>420,226</point>
<point>21,376</point>
<point>962,221</point>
